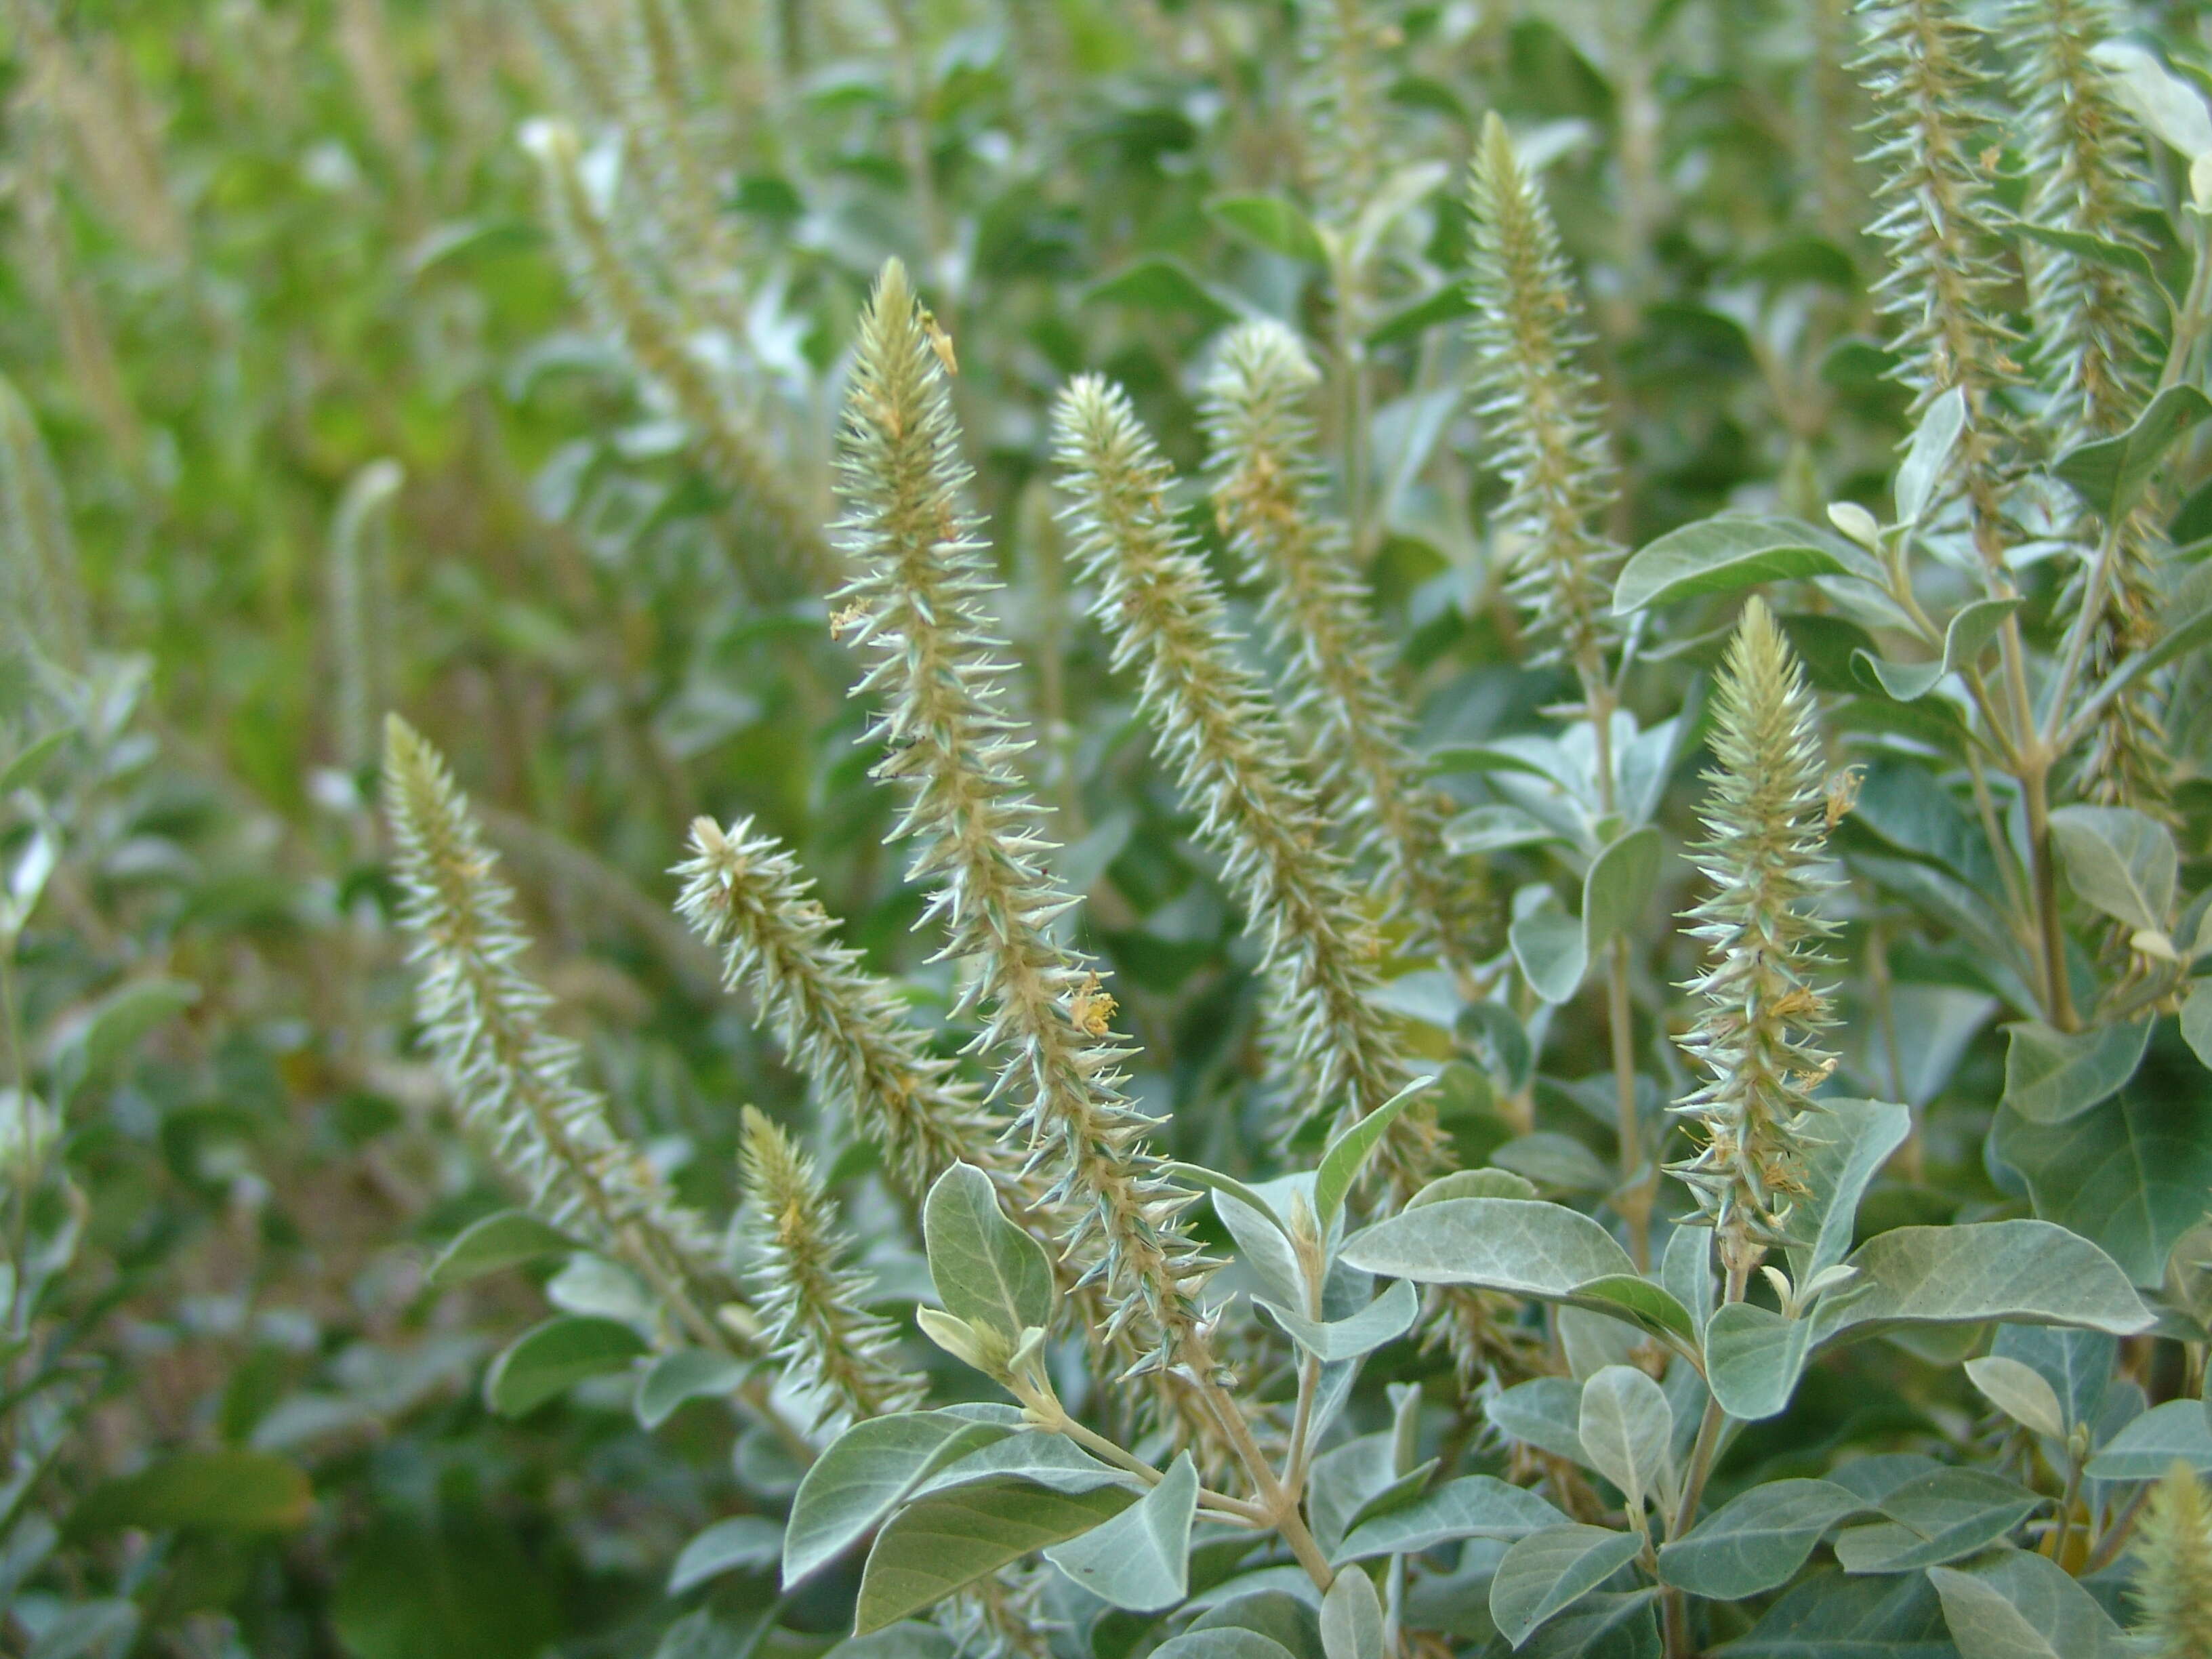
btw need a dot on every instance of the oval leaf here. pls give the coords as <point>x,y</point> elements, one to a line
<point>550,1358</point>
<point>987,1270</point>
<point>2051,1076</point>
<point>1472,1506</point>
<point>1141,1560</point>
<point>867,1469</point>
<point>1757,1540</point>
<point>944,1543</point>
<point>1627,1430</point>
<point>1523,1247</point>
<point>743,1540</point>
<point>1718,556</point>
<point>505,1240</point>
<point>235,1490</point>
<point>1552,1570</point>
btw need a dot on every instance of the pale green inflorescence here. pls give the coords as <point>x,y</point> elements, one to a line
<point>746,895</point>
<point>1266,498</point>
<point>1757,1038</point>
<point>1935,155</point>
<point>916,605</point>
<point>516,1081</point>
<point>2172,1590</point>
<point>1214,725</point>
<point>40,593</point>
<point>1540,408</point>
<point>814,1310</point>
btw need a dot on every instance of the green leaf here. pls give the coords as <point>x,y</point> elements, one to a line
<point>909,1639</point>
<point>1686,1269</point>
<point>1964,641</point>
<point>24,763</point>
<point>1341,1164</point>
<point>1214,1180</point>
<point>1545,1411</point>
<point>1032,1455</point>
<point>1618,888</point>
<point>681,1374</point>
<point>505,1240</point>
<point>1601,1627</point>
<point>1929,454</point>
<point>1640,1301</point>
<point>865,1472</point>
<point>1155,282</point>
<point>2020,1391</point>
<point>1550,1160</point>
<point>1221,1642</point>
<point>1523,1247</point>
<point>1547,944</point>
<point>1351,1619</point>
<point>1495,828</point>
<point>2018,1606</point>
<point>1472,1506</point>
<point>742,1540</point>
<point>88,1046</point>
<point>1845,1147</point>
<point>987,1270</point>
<point>1271,222</point>
<point>2076,1365</point>
<point>1473,1183</point>
<point>2130,1173</point>
<point>1719,555</point>
<point>1552,1570</point>
<point>1757,1540</point>
<point>945,1542</point>
<point>1754,1358</point>
<point>1627,1431</point>
<point>1827,1614</point>
<point>2196,1020</point>
<point>2051,1076</point>
<point>1934,1518</point>
<point>1277,1614</point>
<point>106,1628</point>
<point>234,1490</point>
<point>2110,473</point>
<point>551,1357</point>
<point>2097,250</point>
<point>2121,860</point>
<point>2025,1271</point>
<point>2148,1447</point>
<point>1141,1560</point>
<point>1385,1319</point>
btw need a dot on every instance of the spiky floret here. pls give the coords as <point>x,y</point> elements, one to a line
<point>626,305</point>
<point>1215,726</point>
<point>1933,155</point>
<point>2094,340</point>
<point>1266,499</point>
<point>39,590</point>
<point>515,1081</point>
<point>1757,1039</point>
<point>1539,406</point>
<point>2172,1591</point>
<point>917,600</point>
<point>1344,100</point>
<point>746,896</point>
<point>812,1310</point>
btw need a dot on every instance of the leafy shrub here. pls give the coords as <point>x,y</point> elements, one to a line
<point>1437,786</point>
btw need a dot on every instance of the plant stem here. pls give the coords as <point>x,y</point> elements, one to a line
<point>2057,989</point>
<point>1635,1200</point>
<point>1693,1487</point>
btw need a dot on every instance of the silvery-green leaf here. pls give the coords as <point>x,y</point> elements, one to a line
<point>2110,473</point>
<point>1550,1571</point>
<point>2077,1365</point>
<point>2121,860</point>
<point>1494,828</point>
<point>1965,639</point>
<point>2020,1392</point>
<point>1141,1560</point>
<point>1934,1518</point>
<point>1757,1540</point>
<point>1928,455</point>
<point>681,1374</point>
<point>1523,1247</point>
<point>1626,1430</point>
<point>1473,1183</point>
<point>1606,1625</point>
<point>505,1240</point>
<point>1720,554</point>
<point>2150,1445</point>
<point>2196,1020</point>
<point>1827,1613</point>
<point>549,1359</point>
<point>1545,1411</point>
<point>1754,1358</point>
<point>1031,1454</point>
<point>1351,1617</point>
<point>2020,1605</point>
<point>1846,1146</point>
<point>2130,1173</point>
<point>909,1639</point>
<point>1686,1269</point>
<point>1551,1159</point>
<point>1341,1164</point>
<point>1385,1319</point>
<point>742,1540</point>
<point>1472,1506</point>
<point>945,1542</point>
<point>1221,1642</point>
<point>987,1270</point>
<point>1618,887</point>
<point>2051,1076</point>
<point>863,1474</point>
<point>1547,944</point>
<point>2025,1271</point>
<point>1286,1618</point>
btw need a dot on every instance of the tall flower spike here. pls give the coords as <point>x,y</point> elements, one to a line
<point>733,450</point>
<point>516,1082</point>
<point>1935,155</point>
<point>361,606</point>
<point>40,591</point>
<point>918,602</point>
<point>1539,407</point>
<point>1344,99</point>
<point>1268,501</point>
<point>813,1311</point>
<point>746,895</point>
<point>2172,1590</point>
<point>1758,1037</point>
<point>2094,331</point>
<point>1216,728</point>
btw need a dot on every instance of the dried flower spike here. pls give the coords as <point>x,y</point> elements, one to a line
<point>2172,1590</point>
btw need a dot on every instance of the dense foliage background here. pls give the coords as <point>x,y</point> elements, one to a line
<point>322,408</point>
